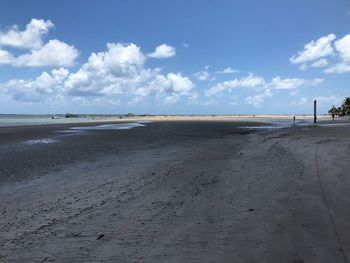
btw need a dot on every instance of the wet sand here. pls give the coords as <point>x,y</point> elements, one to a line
<point>190,191</point>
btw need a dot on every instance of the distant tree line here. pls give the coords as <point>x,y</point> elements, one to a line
<point>343,110</point>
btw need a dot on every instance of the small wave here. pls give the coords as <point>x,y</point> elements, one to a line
<point>40,141</point>
<point>119,126</point>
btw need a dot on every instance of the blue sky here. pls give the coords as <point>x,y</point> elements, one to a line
<point>188,57</point>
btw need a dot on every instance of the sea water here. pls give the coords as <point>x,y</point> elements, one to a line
<point>26,120</point>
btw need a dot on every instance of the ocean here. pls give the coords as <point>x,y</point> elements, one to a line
<point>26,120</point>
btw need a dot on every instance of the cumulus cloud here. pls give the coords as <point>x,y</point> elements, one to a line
<point>30,38</point>
<point>292,83</point>
<point>114,71</point>
<point>343,48</point>
<point>40,89</point>
<point>106,76</point>
<point>320,63</point>
<point>53,53</point>
<point>259,98</point>
<point>338,68</point>
<point>288,83</point>
<point>169,86</point>
<point>5,57</point>
<point>248,81</point>
<point>228,70</point>
<point>203,74</point>
<point>263,88</point>
<point>314,50</point>
<point>163,51</point>
<point>314,53</point>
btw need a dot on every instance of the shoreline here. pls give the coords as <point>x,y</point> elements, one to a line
<point>87,120</point>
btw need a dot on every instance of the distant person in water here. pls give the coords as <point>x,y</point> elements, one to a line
<point>293,119</point>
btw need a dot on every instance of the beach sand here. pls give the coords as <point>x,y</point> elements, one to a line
<point>175,191</point>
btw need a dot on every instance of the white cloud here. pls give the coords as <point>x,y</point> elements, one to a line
<point>288,83</point>
<point>120,70</point>
<point>168,87</point>
<point>30,38</point>
<point>171,99</point>
<point>343,48</point>
<point>45,86</point>
<point>54,53</point>
<point>303,67</point>
<point>5,57</point>
<point>292,83</point>
<point>320,63</point>
<point>259,98</point>
<point>314,50</point>
<point>111,72</point>
<point>106,76</point>
<point>264,89</point>
<point>338,68</point>
<point>228,70</point>
<point>248,81</point>
<point>202,75</point>
<point>179,84</point>
<point>163,51</point>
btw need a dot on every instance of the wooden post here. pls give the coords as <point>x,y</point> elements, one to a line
<point>315,111</point>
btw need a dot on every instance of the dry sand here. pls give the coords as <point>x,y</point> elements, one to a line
<point>175,192</point>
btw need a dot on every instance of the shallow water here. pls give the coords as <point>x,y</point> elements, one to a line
<point>119,126</point>
<point>333,124</point>
<point>26,120</point>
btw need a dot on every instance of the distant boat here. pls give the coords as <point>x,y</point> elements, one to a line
<point>71,115</point>
<point>54,117</point>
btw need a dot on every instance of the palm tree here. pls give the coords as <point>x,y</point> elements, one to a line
<point>343,110</point>
<point>346,106</point>
<point>340,111</point>
<point>333,110</point>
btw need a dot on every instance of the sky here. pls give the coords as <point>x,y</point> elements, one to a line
<point>173,57</point>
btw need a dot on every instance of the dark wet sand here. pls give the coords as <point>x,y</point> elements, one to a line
<point>175,192</point>
<point>20,160</point>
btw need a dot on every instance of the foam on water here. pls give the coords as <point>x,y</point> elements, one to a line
<point>40,141</point>
<point>119,126</point>
<point>70,131</point>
